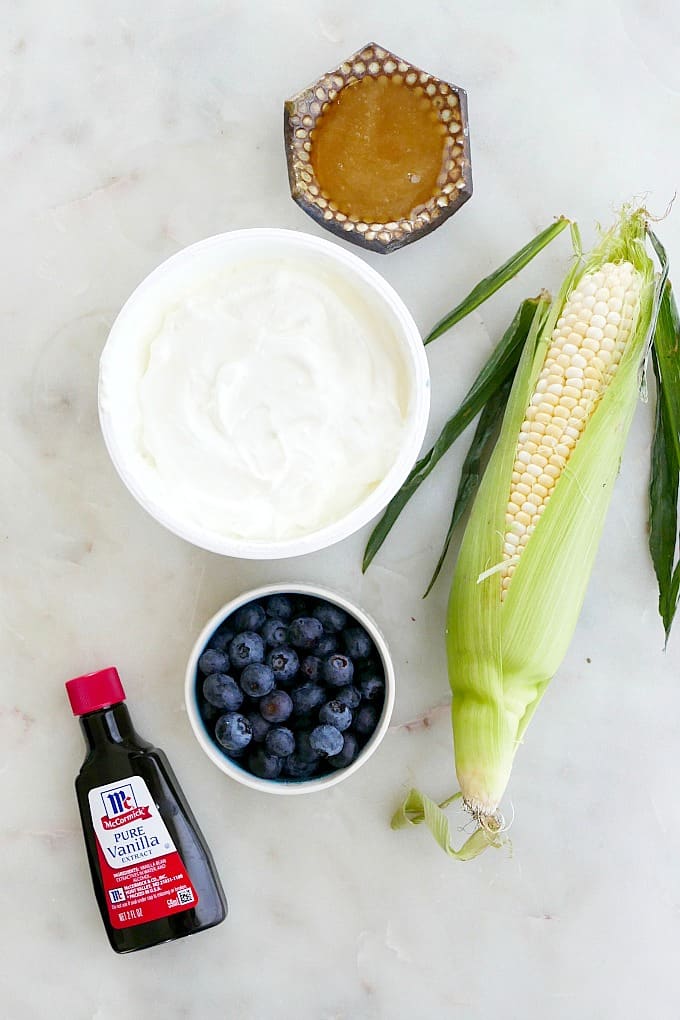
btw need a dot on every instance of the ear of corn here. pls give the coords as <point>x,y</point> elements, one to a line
<point>582,359</point>
<point>514,604</point>
<point>508,629</point>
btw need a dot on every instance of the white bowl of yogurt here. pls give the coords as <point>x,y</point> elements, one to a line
<point>264,393</point>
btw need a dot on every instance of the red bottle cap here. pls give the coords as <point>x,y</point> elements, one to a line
<point>95,690</point>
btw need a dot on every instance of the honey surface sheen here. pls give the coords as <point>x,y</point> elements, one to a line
<point>378,149</point>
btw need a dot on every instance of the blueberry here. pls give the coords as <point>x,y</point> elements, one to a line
<point>212,661</point>
<point>260,726</point>
<point>221,639</point>
<point>280,741</point>
<point>257,679</point>
<point>245,648</point>
<point>296,768</point>
<point>331,617</point>
<point>233,731</point>
<point>222,691</point>
<point>338,670</point>
<point>276,706</point>
<point>336,714</point>
<point>249,704</point>
<point>304,632</point>
<point>372,687</point>
<point>280,607</point>
<point>266,766</point>
<point>365,720</point>
<point>237,755</point>
<point>304,750</point>
<point>358,644</point>
<point>284,662</point>
<point>209,712</point>
<point>326,740</point>
<point>348,753</point>
<point>326,645</point>
<point>310,667</point>
<point>349,696</point>
<point>307,697</point>
<point>274,633</point>
<point>250,617</point>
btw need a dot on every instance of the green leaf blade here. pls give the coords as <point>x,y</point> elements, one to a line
<point>663,523</point>
<point>490,284</point>
<point>667,349</point>
<point>665,459</point>
<point>471,472</point>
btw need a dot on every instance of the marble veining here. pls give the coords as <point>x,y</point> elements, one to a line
<point>128,132</point>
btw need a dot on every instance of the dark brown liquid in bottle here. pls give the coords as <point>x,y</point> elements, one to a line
<point>116,752</point>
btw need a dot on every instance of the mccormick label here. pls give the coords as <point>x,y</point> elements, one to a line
<point>143,875</point>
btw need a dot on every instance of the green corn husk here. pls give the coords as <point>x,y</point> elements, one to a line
<point>503,654</point>
<point>665,465</point>
<point>490,284</point>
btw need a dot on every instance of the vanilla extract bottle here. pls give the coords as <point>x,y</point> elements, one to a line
<point>153,875</point>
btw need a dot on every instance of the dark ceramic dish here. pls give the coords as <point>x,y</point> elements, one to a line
<point>454,185</point>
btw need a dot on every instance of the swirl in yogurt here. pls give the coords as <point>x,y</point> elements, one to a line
<point>272,400</point>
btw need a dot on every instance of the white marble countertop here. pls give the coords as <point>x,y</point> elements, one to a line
<point>130,130</point>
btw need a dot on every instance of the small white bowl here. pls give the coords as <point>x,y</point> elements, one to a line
<point>121,360</point>
<point>282,786</point>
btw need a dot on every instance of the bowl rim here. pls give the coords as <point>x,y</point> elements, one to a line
<point>378,499</point>
<point>277,786</point>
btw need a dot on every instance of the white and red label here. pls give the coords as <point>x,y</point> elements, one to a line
<point>143,875</point>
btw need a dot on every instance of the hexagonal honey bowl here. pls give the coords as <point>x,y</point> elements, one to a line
<point>378,150</point>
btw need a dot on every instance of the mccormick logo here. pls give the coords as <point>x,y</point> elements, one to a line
<point>121,807</point>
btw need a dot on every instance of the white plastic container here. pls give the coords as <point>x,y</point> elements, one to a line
<point>282,786</point>
<point>141,314</point>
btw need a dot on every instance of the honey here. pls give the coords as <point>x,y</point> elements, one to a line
<point>378,149</point>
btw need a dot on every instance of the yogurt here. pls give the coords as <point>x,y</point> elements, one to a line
<point>269,399</point>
